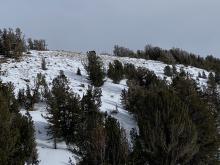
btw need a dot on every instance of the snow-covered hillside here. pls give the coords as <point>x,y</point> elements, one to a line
<point>24,72</point>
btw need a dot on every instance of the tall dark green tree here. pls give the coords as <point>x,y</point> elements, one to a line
<point>168,71</point>
<point>166,132</point>
<point>203,113</point>
<point>56,104</point>
<point>91,146</point>
<point>17,139</point>
<point>117,149</point>
<point>94,68</point>
<point>115,71</point>
<point>64,112</point>
<point>12,43</point>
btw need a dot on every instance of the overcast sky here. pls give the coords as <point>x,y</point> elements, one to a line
<point>82,25</point>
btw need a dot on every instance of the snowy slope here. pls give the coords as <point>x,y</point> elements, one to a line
<point>24,72</point>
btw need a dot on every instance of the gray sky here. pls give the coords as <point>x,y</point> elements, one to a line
<point>82,25</point>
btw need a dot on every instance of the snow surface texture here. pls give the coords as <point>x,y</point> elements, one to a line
<point>24,72</point>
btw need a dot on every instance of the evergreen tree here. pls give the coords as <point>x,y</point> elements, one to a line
<point>53,118</point>
<point>64,112</point>
<point>21,97</point>
<point>12,43</point>
<point>204,75</point>
<point>211,82</point>
<point>174,70</point>
<point>130,71</point>
<point>78,72</point>
<point>94,68</point>
<point>166,132</point>
<point>199,75</point>
<point>203,115</point>
<point>117,149</point>
<point>116,71</point>
<point>56,104</point>
<point>91,103</point>
<point>168,71</point>
<point>30,44</point>
<point>17,140</point>
<point>91,128</point>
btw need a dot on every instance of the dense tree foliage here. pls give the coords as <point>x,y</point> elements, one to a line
<point>178,123</point>
<point>12,43</point>
<point>39,45</point>
<point>79,122</point>
<point>17,139</point>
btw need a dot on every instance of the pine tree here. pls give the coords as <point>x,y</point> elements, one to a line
<point>117,149</point>
<point>94,68</point>
<point>167,134</point>
<point>17,137</point>
<point>174,70</point>
<point>64,112</point>
<point>116,71</point>
<point>130,71</point>
<point>30,44</point>
<point>204,75</point>
<point>56,112</point>
<point>202,111</point>
<point>91,128</point>
<point>21,97</point>
<point>53,118</point>
<point>78,72</point>
<point>168,71</point>
<point>91,103</point>
<point>199,75</point>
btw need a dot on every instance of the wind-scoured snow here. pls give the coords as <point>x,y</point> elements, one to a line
<point>23,72</point>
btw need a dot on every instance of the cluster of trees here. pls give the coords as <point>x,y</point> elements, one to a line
<point>96,72</point>
<point>178,123</point>
<point>172,56</point>
<point>17,137</point>
<point>12,43</point>
<point>98,138</point>
<point>37,44</point>
<point>27,98</point>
